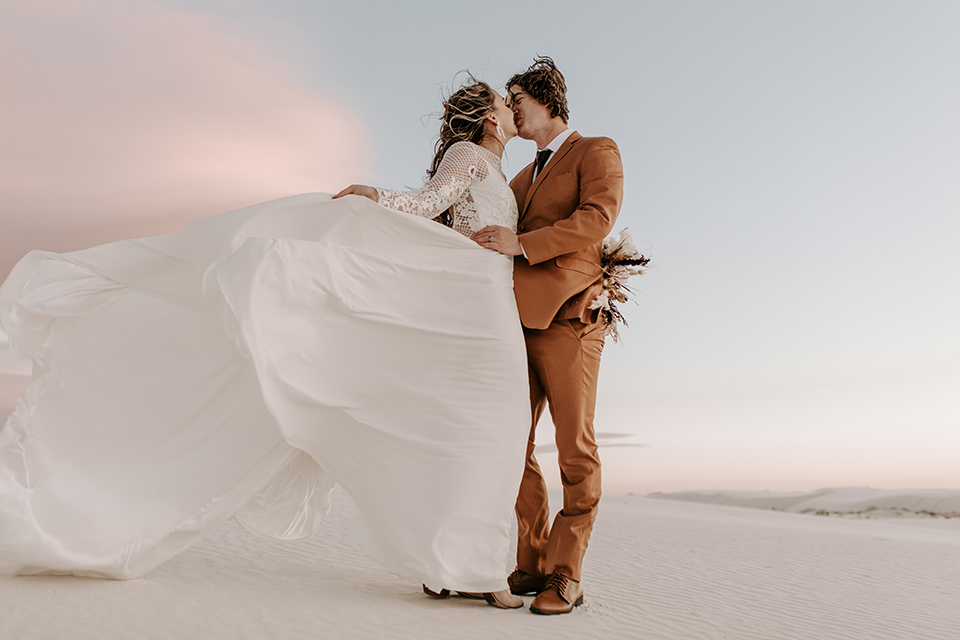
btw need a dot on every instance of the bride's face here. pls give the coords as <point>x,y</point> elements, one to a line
<point>504,116</point>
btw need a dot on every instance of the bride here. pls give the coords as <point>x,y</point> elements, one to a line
<point>243,366</point>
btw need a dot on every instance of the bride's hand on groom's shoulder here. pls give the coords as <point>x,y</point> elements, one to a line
<point>360,190</point>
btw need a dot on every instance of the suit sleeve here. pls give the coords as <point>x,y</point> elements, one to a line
<point>601,193</point>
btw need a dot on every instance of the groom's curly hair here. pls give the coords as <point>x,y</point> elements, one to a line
<point>544,82</point>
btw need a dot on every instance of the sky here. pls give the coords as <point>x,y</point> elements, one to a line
<point>791,170</point>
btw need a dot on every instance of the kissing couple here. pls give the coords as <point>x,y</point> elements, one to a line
<point>242,367</point>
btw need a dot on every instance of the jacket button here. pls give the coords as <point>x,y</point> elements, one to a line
<point>522,228</point>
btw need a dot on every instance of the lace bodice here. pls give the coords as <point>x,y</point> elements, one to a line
<point>470,182</point>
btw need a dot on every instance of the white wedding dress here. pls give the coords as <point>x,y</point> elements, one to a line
<point>243,366</point>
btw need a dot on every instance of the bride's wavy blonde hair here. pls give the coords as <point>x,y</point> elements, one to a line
<point>462,119</point>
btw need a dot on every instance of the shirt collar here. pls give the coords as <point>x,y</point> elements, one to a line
<point>554,145</point>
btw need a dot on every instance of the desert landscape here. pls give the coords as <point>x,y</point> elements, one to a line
<point>685,566</point>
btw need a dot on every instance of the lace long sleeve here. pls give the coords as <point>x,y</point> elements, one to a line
<point>459,167</point>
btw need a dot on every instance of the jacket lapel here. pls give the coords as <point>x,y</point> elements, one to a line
<point>522,183</point>
<point>543,175</point>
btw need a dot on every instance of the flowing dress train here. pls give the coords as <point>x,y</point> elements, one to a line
<point>242,367</point>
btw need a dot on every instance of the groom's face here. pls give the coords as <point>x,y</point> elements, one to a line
<point>529,115</point>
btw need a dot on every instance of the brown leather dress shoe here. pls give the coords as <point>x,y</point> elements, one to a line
<point>521,582</point>
<point>560,595</point>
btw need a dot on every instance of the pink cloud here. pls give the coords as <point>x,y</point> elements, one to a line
<point>122,119</point>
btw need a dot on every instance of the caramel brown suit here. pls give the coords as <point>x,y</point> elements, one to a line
<point>564,216</point>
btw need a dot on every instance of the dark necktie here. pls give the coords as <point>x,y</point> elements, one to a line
<point>542,158</point>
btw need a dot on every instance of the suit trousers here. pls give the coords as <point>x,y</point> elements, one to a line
<point>564,362</point>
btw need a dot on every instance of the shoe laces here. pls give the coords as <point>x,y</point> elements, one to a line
<point>557,581</point>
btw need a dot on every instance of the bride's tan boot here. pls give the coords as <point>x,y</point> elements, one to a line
<point>503,599</point>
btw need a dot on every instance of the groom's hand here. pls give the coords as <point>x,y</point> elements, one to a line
<point>360,190</point>
<point>499,239</point>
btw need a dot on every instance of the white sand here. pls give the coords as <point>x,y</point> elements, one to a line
<point>846,502</point>
<point>656,569</point>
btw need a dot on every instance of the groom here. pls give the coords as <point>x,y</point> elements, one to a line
<point>568,198</point>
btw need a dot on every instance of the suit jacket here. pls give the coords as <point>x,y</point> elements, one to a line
<point>564,216</point>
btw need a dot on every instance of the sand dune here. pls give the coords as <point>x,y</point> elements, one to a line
<point>854,502</point>
<point>657,569</point>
